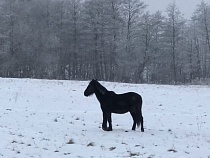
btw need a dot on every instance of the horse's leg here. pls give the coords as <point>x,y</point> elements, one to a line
<point>109,116</point>
<point>142,123</point>
<point>104,124</point>
<point>134,120</point>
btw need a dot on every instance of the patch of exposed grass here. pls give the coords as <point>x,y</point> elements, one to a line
<point>172,150</point>
<point>71,141</point>
<point>91,144</point>
<point>112,148</point>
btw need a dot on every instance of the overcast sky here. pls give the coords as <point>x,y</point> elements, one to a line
<point>186,7</point>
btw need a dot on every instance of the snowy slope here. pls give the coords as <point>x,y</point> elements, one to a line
<point>42,118</point>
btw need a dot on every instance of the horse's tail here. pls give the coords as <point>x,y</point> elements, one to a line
<point>139,117</point>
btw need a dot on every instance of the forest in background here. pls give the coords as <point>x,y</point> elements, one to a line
<point>111,40</point>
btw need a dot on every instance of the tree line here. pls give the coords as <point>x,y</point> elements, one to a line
<point>112,40</point>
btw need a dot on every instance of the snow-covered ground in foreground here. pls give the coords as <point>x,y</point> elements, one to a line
<point>42,118</point>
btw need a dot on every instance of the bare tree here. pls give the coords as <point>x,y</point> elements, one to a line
<point>201,18</point>
<point>174,25</point>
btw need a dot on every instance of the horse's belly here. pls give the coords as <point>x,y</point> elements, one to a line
<point>120,111</point>
<point>120,107</point>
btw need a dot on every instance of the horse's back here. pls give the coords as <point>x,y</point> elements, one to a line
<point>131,97</point>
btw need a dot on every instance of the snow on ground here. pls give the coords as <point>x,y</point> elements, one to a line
<point>42,118</point>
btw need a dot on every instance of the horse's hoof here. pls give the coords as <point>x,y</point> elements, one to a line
<point>104,128</point>
<point>142,129</point>
<point>109,129</point>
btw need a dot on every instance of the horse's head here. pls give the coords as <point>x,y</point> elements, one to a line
<point>90,88</point>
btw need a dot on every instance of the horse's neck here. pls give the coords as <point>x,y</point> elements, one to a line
<point>100,92</point>
<point>98,96</point>
<point>101,89</point>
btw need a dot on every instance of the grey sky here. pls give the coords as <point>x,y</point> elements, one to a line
<point>186,7</point>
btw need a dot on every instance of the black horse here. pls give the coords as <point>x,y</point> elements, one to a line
<point>116,103</point>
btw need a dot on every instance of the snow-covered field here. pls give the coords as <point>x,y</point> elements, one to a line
<point>52,119</point>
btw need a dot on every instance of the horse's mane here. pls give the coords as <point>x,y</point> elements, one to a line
<point>100,88</point>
